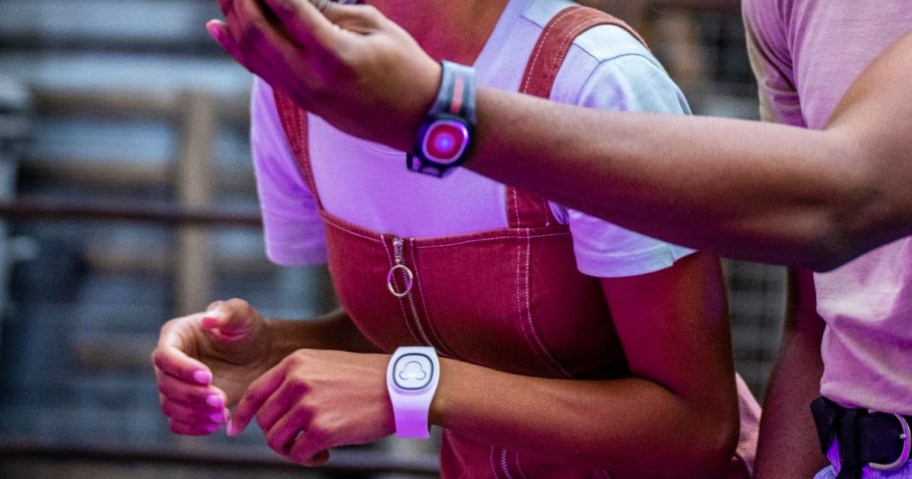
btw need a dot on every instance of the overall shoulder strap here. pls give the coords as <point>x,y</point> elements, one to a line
<point>554,43</point>
<point>525,209</point>
<point>294,122</point>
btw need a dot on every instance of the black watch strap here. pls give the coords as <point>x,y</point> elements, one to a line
<point>456,95</point>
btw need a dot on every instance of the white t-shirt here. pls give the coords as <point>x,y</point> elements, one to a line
<point>368,184</point>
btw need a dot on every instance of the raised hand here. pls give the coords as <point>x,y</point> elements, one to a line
<point>317,399</point>
<point>204,362</point>
<point>346,63</point>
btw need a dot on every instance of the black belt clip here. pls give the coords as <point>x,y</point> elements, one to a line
<point>906,438</point>
<point>882,441</point>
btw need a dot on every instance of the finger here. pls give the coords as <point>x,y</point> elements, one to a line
<point>191,414</point>
<point>310,449</point>
<point>262,58</point>
<point>318,459</point>
<point>232,319</point>
<point>173,361</point>
<point>226,6</point>
<point>242,53</point>
<point>313,25</point>
<point>214,312</point>
<point>193,394</point>
<point>252,19</point>
<point>283,430</point>
<point>221,33</point>
<point>189,420</point>
<point>361,19</point>
<point>193,429</point>
<point>258,392</point>
<point>282,406</point>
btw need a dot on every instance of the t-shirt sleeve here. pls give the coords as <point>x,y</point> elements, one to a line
<point>767,49</point>
<point>292,228</point>
<point>631,81</point>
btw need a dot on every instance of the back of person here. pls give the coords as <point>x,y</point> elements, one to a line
<point>806,54</point>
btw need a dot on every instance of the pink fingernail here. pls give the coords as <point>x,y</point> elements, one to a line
<point>215,400</point>
<point>218,417</point>
<point>212,427</point>
<point>202,377</point>
<point>213,31</point>
<point>231,430</point>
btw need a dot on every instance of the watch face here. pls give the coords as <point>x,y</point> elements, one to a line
<point>445,141</point>
<point>413,371</point>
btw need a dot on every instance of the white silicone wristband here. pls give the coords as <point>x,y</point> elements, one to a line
<point>411,380</point>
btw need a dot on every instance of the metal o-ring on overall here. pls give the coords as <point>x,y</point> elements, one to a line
<point>409,280</point>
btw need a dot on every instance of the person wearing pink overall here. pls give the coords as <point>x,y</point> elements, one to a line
<point>831,190</point>
<point>643,338</point>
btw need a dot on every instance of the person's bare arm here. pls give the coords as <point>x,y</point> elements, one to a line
<point>788,446</point>
<point>679,404</point>
<point>334,330</point>
<point>675,415</point>
<point>742,189</point>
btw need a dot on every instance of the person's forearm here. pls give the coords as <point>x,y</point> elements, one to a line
<point>334,330</point>
<point>743,189</point>
<point>788,446</point>
<point>621,425</point>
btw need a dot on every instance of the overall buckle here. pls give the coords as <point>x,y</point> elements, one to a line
<point>906,437</point>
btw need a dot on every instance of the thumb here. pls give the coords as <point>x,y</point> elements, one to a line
<point>319,23</point>
<point>354,18</point>
<point>215,316</point>
<point>229,319</point>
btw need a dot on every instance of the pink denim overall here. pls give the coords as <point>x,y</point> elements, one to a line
<point>509,299</point>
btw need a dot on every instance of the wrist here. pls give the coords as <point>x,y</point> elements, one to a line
<point>438,410</point>
<point>275,337</point>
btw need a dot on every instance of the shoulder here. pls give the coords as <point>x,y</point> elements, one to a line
<point>600,43</point>
<point>606,66</point>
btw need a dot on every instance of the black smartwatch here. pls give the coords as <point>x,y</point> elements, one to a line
<point>444,136</point>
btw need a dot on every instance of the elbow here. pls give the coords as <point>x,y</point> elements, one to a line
<point>717,451</point>
<point>846,232</point>
<point>862,210</point>
<point>710,449</point>
<point>829,249</point>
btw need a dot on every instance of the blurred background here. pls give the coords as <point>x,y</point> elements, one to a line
<point>127,198</point>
